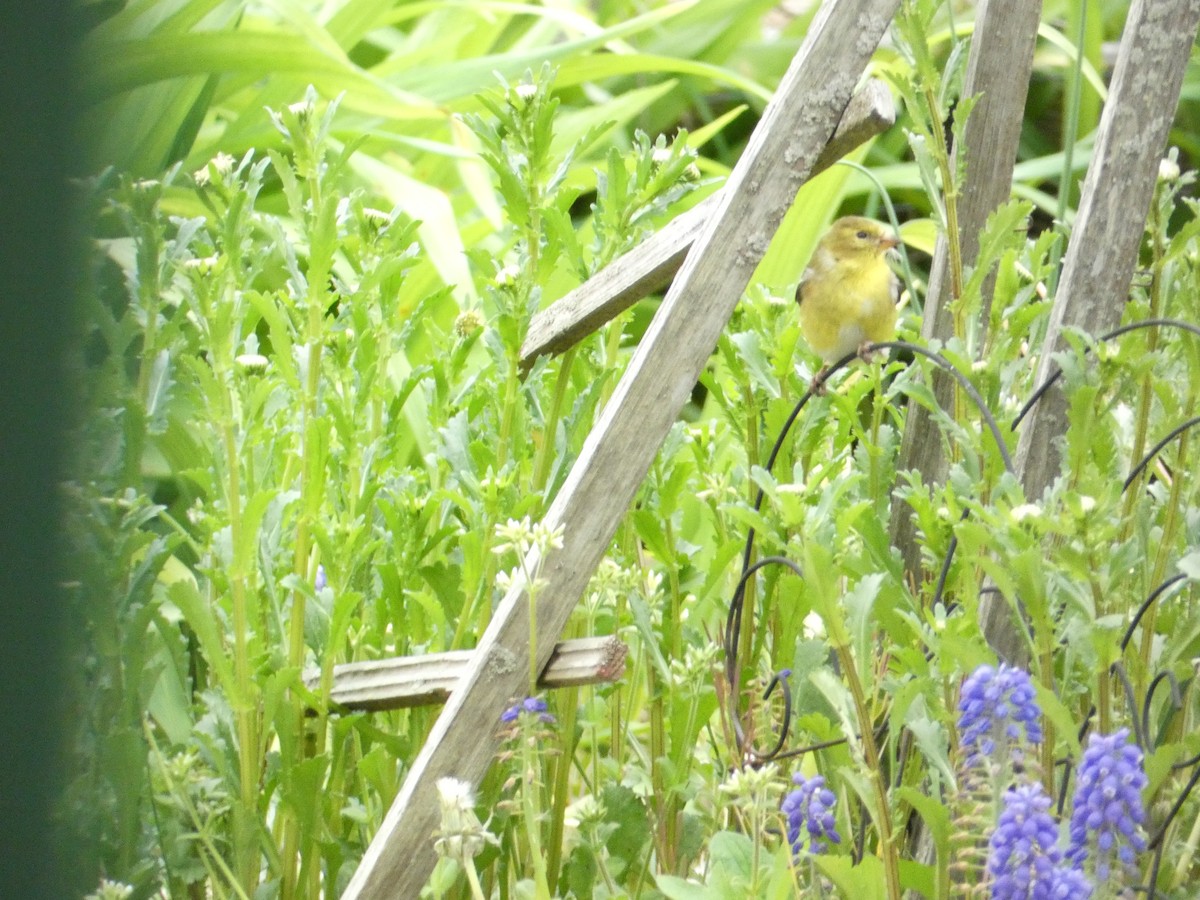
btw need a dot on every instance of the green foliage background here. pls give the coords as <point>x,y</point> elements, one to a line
<point>319,233</point>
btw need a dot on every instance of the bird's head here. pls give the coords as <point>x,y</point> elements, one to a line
<point>856,237</point>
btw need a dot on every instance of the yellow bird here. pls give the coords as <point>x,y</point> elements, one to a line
<point>847,294</point>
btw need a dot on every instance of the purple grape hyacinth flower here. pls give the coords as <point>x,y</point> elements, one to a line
<point>532,705</point>
<point>810,805</point>
<point>1067,883</point>
<point>1023,855</point>
<point>1107,815</point>
<point>995,707</point>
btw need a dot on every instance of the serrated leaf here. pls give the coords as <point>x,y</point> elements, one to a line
<point>758,367</point>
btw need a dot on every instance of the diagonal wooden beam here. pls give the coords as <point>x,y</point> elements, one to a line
<point>651,265</point>
<point>614,459</point>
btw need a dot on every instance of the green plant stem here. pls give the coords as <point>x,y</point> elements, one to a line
<point>1074,96</point>
<point>1166,544</point>
<point>246,714</point>
<point>658,742</point>
<point>1146,388</point>
<point>883,815</point>
<point>473,879</point>
<point>508,411</point>
<point>1186,857</point>
<point>753,459</point>
<point>532,807</point>
<point>311,464</point>
<point>568,700</point>
<point>541,468</point>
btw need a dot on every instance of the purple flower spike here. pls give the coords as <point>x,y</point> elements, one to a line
<point>1107,816</point>
<point>1023,852</point>
<point>811,805</point>
<point>997,708</point>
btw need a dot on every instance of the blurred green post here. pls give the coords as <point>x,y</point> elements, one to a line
<point>39,267</point>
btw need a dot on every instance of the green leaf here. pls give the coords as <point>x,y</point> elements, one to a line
<point>931,738</point>
<point>758,367</point>
<point>858,603</point>
<point>731,864</point>
<point>675,888</point>
<point>933,811</point>
<point>185,595</point>
<point>302,790</point>
<point>864,881</point>
<point>1189,565</point>
<point>623,809</point>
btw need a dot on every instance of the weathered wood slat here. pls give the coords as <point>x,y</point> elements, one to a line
<point>408,681</point>
<point>614,459</point>
<point>1112,213</point>
<point>651,265</point>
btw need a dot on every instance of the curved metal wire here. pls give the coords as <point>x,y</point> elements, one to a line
<point>1145,607</point>
<point>964,383</point>
<point>1107,336</point>
<point>1174,433</point>
<point>732,636</point>
<point>1176,699</point>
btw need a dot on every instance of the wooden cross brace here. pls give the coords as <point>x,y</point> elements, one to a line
<point>401,682</point>
<point>794,129</point>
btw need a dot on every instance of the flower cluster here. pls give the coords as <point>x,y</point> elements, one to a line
<point>1024,859</point>
<point>811,804</point>
<point>1023,853</point>
<point>995,707</point>
<point>1107,816</point>
<point>531,706</point>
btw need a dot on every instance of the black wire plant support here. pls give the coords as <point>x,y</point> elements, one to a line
<point>1140,717</point>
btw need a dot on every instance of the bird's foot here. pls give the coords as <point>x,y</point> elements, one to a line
<point>818,381</point>
<point>866,351</point>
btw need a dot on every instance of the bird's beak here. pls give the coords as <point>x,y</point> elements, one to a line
<point>889,242</point>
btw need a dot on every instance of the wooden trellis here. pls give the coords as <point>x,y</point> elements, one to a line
<point>728,239</point>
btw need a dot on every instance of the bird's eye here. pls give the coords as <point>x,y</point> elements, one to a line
<point>862,235</point>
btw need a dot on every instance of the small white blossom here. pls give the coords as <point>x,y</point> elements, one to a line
<point>814,626</point>
<point>254,362</point>
<point>750,787</point>
<point>111,890</point>
<point>1025,511</point>
<point>201,264</point>
<point>376,216</point>
<point>651,582</point>
<point>461,835</point>
<point>526,91</point>
<point>1168,170</point>
<point>508,275</point>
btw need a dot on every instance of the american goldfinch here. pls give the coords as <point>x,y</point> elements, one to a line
<point>847,294</point>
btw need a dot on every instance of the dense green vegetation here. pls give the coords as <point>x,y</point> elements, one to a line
<point>320,232</point>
